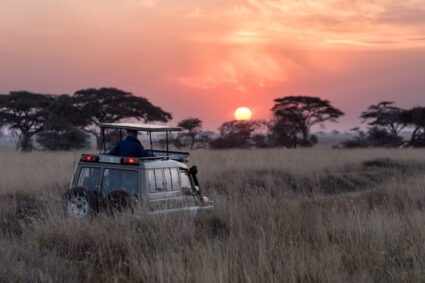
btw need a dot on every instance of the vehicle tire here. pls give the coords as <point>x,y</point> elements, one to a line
<point>120,201</point>
<point>80,202</point>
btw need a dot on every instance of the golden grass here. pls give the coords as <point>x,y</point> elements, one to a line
<point>305,215</point>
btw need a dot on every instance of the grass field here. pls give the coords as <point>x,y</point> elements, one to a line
<point>306,215</point>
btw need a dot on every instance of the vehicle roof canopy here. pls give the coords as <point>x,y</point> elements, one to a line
<point>140,127</point>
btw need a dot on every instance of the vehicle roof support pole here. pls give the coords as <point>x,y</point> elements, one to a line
<point>150,139</point>
<point>120,134</point>
<point>103,145</point>
<point>166,137</point>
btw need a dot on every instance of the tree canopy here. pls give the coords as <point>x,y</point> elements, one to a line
<point>294,116</point>
<point>26,113</point>
<point>384,115</point>
<point>191,127</point>
<point>58,121</point>
<point>237,134</point>
<point>62,128</point>
<point>415,118</point>
<point>108,105</point>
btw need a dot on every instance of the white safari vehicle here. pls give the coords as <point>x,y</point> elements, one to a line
<point>161,183</point>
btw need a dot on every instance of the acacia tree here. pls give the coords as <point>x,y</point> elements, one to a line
<point>294,116</point>
<point>386,116</point>
<point>62,128</point>
<point>192,127</point>
<point>284,129</point>
<point>24,113</point>
<point>108,105</point>
<point>415,118</point>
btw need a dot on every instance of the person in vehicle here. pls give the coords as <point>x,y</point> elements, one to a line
<point>129,147</point>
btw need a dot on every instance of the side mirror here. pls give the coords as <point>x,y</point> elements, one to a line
<point>193,170</point>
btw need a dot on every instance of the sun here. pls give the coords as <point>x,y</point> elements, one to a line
<point>243,114</point>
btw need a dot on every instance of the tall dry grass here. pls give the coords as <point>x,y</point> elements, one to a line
<point>306,215</point>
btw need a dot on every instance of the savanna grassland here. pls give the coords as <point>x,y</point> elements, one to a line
<point>314,215</point>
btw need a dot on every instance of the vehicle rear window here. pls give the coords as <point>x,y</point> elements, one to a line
<point>120,180</point>
<point>89,178</point>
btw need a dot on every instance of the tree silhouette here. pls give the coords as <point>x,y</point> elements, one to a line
<point>108,105</point>
<point>285,129</point>
<point>26,114</point>
<point>384,115</point>
<point>62,128</point>
<point>294,116</point>
<point>192,127</point>
<point>237,134</point>
<point>415,118</point>
<point>380,137</point>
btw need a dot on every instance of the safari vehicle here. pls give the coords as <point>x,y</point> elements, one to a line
<point>160,183</point>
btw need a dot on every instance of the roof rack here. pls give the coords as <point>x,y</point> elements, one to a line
<point>149,128</point>
<point>140,127</point>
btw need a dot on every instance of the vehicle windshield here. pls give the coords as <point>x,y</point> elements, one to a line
<point>89,178</point>
<point>120,180</point>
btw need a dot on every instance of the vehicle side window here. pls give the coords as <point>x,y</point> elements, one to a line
<point>167,179</point>
<point>89,178</point>
<point>159,180</point>
<point>175,178</point>
<point>123,180</point>
<point>184,178</point>
<point>151,179</point>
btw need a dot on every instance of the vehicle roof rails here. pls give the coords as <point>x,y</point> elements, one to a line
<point>140,127</point>
<point>149,128</point>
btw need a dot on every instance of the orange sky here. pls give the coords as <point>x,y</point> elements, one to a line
<point>206,58</point>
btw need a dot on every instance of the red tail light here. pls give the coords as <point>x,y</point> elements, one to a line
<point>89,158</point>
<point>130,161</point>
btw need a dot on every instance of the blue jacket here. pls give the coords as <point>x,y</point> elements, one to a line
<point>130,147</point>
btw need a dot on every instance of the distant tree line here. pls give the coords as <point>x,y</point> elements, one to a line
<point>65,122</point>
<point>292,120</point>
<point>385,123</point>
<point>293,117</point>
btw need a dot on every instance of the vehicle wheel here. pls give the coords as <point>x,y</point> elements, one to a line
<point>120,201</point>
<point>80,202</point>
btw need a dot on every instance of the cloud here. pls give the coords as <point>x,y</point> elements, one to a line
<point>261,31</point>
<point>312,21</point>
<point>240,44</point>
<point>243,68</point>
<point>403,14</point>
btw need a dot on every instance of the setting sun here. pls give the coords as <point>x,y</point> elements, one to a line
<point>243,114</point>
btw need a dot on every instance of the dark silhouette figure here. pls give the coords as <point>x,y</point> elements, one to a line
<point>129,147</point>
